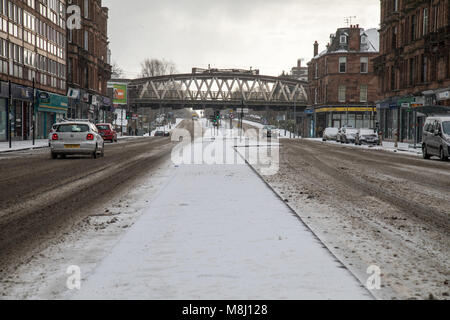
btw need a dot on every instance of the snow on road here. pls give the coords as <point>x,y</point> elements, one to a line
<point>218,232</point>
<point>195,232</point>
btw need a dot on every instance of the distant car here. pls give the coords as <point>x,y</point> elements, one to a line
<point>341,133</point>
<point>270,132</point>
<point>347,135</point>
<point>330,134</point>
<point>162,134</point>
<point>107,132</point>
<point>71,138</point>
<point>436,138</point>
<point>367,136</point>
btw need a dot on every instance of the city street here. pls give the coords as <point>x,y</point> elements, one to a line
<point>43,198</point>
<point>373,207</point>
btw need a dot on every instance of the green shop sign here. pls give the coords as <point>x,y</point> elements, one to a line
<point>49,102</point>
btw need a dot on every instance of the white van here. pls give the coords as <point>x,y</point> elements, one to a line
<point>436,137</point>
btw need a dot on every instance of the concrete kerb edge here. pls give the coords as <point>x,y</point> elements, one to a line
<point>296,215</point>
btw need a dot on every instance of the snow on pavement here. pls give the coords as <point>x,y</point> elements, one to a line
<point>218,232</point>
<point>23,145</point>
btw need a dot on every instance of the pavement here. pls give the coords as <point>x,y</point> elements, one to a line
<point>23,145</point>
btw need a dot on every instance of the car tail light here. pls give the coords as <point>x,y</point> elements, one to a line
<point>90,136</point>
<point>55,137</point>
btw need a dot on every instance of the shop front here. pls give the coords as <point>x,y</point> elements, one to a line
<point>4,111</point>
<point>338,117</point>
<point>51,109</point>
<point>400,116</point>
<point>21,111</point>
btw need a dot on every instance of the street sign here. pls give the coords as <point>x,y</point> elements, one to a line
<point>232,116</point>
<point>242,110</point>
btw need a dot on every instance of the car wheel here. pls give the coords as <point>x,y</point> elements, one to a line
<point>94,154</point>
<point>442,155</point>
<point>54,156</point>
<point>426,156</point>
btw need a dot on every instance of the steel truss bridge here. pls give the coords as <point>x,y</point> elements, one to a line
<point>218,91</point>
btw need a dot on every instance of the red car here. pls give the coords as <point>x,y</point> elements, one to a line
<point>107,132</point>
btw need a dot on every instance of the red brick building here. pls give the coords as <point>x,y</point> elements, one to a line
<point>89,66</point>
<point>413,66</point>
<point>343,87</point>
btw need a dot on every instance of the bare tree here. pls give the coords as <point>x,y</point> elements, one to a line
<point>156,67</point>
<point>116,71</point>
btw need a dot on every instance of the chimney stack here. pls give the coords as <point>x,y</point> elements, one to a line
<point>354,38</point>
<point>299,63</point>
<point>316,48</point>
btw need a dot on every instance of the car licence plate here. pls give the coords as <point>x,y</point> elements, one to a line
<point>72,146</point>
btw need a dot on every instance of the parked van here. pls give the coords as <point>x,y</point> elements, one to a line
<point>436,137</point>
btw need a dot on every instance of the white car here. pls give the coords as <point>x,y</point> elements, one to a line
<point>330,134</point>
<point>270,132</point>
<point>73,138</point>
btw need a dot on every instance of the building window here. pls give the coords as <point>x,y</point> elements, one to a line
<point>341,92</point>
<point>424,69</point>
<point>86,9</point>
<point>343,39</point>
<point>395,5</point>
<point>413,28</point>
<point>86,40</point>
<point>364,64</point>
<point>393,78</point>
<point>317,71</point>
<point>411,72</point>
<point>394,38</point>
<point>425,21</point>
<point>342,64</point>
<point>363,93</point>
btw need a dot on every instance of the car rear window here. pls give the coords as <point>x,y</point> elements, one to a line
<point>103,127</point>
<point>73,128</point>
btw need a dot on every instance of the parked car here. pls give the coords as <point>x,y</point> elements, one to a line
<point>270,131</point>
<point>347,135</point>
<point>367,136</point>
<point>70,138</point>
<point>160,133</point>
<point>330,134</point>
<point>107,132</point>
<point>436,138</point>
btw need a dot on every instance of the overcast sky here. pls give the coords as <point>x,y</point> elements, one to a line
<point>269,35</point>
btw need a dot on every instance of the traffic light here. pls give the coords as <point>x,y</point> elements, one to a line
<point>128,115</point>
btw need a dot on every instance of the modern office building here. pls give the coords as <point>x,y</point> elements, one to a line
<point>32,49</point>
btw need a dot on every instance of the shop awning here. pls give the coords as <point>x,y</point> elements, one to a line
<point>432,110</point>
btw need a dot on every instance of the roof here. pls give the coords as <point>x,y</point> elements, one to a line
<point>372,44</point>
